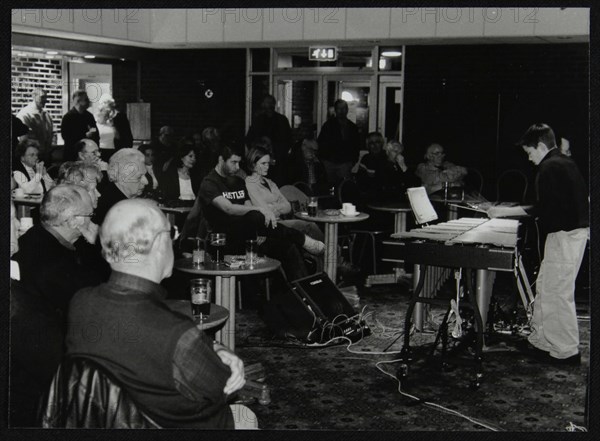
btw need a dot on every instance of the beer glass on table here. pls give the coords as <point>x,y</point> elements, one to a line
<point>200,299</point>
<point>217,243</point>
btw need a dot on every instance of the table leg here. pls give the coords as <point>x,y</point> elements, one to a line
<point>171,218</point>
<point>232,286</point>
<point>219,301</point>
<point>400,222</point>
<point>484,282</point>
<point>417,317</point>
<point>331,239</point>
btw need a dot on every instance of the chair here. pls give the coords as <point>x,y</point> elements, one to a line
<point>294,193</point>
<point>85,395</point>
<point>304,188</point>
<point>349,192</point>
<point>511,186</point>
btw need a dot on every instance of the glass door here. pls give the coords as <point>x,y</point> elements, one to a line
<point>299,100</point>
<point>389,121</point>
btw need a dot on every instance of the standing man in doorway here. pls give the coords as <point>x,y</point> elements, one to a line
<point>276,127</point>
<point>338,144</point>
<point>562,208</point>
<point>78,124</point>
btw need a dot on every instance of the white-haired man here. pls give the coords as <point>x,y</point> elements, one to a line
<point>126,175</point>
<point>168,366</point>
<point>39,121</point>
<point>437,170</point>
<point>51,264</point>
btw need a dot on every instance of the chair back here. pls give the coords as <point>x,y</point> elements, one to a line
<point>85,395</point>
<point>511,186</point>
<point>304,188</point>
<point>293,193</point>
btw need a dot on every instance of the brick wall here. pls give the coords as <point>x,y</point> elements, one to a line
<point>30,71</point>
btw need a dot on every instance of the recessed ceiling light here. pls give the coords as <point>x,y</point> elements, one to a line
<point>52,53</point>
<point>89,57</point>
<point>391,53</point>
<point>122,59</point>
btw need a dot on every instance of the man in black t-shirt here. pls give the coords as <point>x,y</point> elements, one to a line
<point>227,208</point>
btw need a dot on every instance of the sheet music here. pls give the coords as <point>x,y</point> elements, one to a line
<point>421,205</point>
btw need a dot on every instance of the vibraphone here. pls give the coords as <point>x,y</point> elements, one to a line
<point>483,245</point>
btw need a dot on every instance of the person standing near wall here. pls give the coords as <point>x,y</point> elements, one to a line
<point>77,124</point>
<point>39,122</point>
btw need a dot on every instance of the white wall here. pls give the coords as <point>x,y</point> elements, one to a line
<point>280,26</point>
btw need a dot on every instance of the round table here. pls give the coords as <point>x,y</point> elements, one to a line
<point>331,235</point>
<point>225,287</point>
<point>24,204</point>
<point>400,210</point>
<point>218,314</point>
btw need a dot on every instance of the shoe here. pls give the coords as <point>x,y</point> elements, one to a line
<point>573,360</point>
<point>527,348</point>
<point>315,247</point>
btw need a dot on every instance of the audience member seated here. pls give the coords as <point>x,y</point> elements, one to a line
<point>392,176</point>
<point>113,127</point>
<point>227,207</point>
<point>78,124</point>
<point>39,122</point>
<point>164,147</point>
<point>188,382</point>
<point>29,174</point>
<point>83,174</point>
<point>264,193</point>
<point>151,190</point>
<point>89,152</point>
<point>50,262</point>
<point>178,182</point>
<point>126,175</point>
<point>304,166</point>
<point>36,343</point>
<point>435,172</point>
<point>208,155</point>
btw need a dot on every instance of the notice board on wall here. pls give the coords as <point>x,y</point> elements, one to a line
<point>139,120</point>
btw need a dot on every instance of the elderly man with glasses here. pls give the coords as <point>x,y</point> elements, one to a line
<point>167,365</point>
<point>51,257</point>
<point>436,171</point>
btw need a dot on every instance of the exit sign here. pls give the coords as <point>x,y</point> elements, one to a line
<point>322,53</point>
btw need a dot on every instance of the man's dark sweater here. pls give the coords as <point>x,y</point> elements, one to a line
<point>109,196</point>
<point>73,128</point>
<point>53,269</point>
<point>125,326</point>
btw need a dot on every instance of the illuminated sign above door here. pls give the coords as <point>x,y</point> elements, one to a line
<point>322,53</point>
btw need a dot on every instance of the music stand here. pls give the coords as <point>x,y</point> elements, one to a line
<point>421,205</point>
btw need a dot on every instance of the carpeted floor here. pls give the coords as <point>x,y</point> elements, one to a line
<point>342,388</point>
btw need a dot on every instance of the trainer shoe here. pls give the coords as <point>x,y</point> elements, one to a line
<point>315,247</point>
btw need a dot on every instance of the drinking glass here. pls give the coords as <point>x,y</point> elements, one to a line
<point>200,298</point>
<point>217,243</point>
<point>198,253</point>
<point>251,252</point>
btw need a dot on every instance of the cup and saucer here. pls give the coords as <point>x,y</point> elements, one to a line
<point>349,210</point>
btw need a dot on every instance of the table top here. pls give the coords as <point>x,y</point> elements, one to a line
<point>394,207</point>
<point>218,314</point>
<point>27,200</point>
<point>322,216</point>
<point>264,265</point>
<point>467,198</point>
<point>175,209</point>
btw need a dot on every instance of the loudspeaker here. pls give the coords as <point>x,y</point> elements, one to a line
<point>314,310</point>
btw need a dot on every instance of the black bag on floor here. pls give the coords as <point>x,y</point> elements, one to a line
<point>313,310</point>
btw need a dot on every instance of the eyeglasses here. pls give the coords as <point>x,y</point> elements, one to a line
<point>173,233</point>
<point>86,215</point>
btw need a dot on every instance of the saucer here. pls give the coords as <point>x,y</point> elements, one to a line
<point>356,213</point>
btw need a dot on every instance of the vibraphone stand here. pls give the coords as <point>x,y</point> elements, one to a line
<point>406,355</point>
